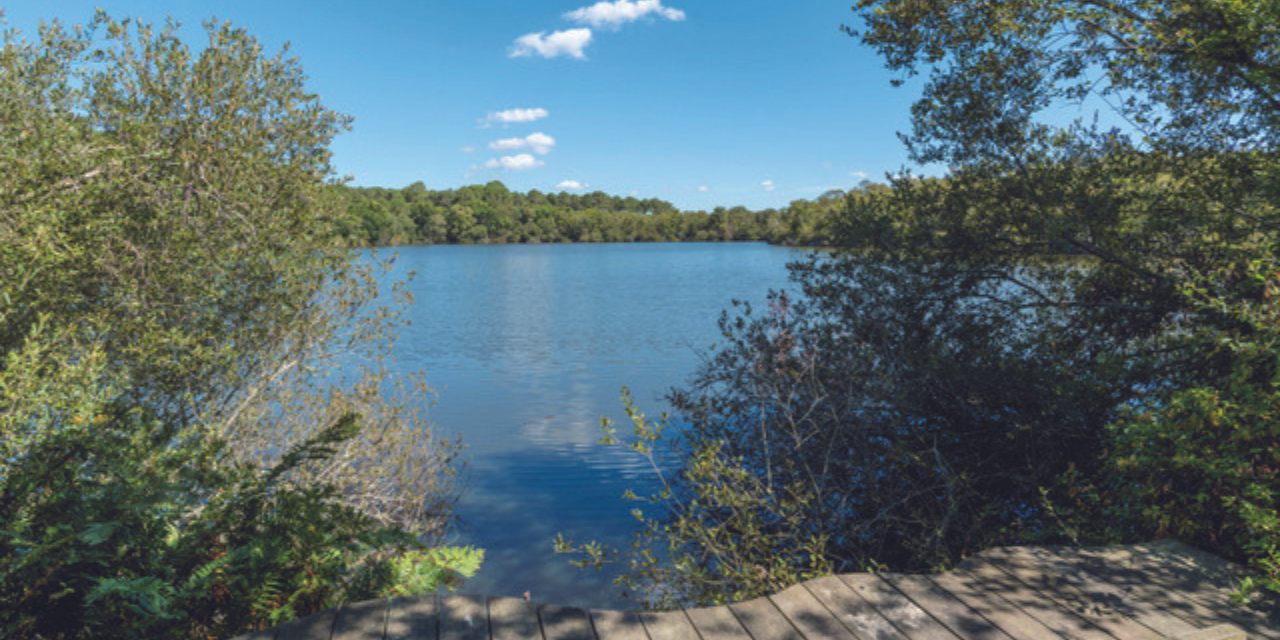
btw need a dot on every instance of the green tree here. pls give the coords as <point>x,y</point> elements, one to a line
<point>1176,215</point>
<point>1067,337</point>
<point>1203,461</point>
<point>175,461</point>
<point>1199,75</point>
<point>460,221</point>
<point>490,213</point>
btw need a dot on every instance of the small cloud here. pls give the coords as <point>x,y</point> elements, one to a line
<point>861,175</point>
<point>468,149</point>
<point>522,162</point>
<point>768,185</point>
<point>514,116</point>
<point>506,144</point>
<point>540,143</point>
<point>570,43</point>
<point>571,185</point>
<point>703,188</point>
<point>612,15</point>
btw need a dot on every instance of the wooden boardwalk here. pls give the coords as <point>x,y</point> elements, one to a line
<point>1143,592</point>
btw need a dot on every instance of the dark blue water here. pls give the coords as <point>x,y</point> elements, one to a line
<point>528,346</point>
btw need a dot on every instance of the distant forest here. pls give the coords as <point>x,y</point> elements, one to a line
<point>493,214</point>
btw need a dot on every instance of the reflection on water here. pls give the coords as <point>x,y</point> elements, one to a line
<point>528,347</point>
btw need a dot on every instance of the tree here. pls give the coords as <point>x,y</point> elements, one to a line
<point>1175,211</point>
<point>1032,347</point>
<point>175,463</point>
<point>492,214</point>
<point>1198,75</point>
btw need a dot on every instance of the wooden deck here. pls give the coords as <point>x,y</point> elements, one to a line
<point>1142,592</point>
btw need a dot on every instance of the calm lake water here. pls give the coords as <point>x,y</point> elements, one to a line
<point>528,346</point>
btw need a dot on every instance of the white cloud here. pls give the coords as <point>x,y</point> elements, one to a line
<point>512,116</point>
<point>560,43</point>
<point>507,144</point>
<point>612,15</point>
<point>522,162</point>
<point>703,188</point>
<point>468,149</point>
<point>539,143</point>
<point>571,185</point>
<point>768,185</point>
<point>861,175</point>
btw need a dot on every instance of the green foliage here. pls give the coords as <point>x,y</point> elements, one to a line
<point>114,529</point>
<point>1187,76</point>
<point>1202,463</point>
<point>490,214</point>
<point>173,463</point>
<point>135,170</point>
<point>898,414</point>
<point>1070,336</point>
<point>422,572</point>
<point>722,537</point>
<point>978,372</point>
<point>1173,221</point>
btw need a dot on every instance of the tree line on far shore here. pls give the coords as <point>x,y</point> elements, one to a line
<point>493,214</point>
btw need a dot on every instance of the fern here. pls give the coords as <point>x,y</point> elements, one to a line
<point>147,597</point>
<point>418,573</point>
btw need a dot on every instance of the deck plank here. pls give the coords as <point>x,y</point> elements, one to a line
<point>914,622</point>
<point>1163,583</point>
<point>999,611</point>
<point>513,619</point>
<point>852,611</point>
<point>1132,584</point>
<point>1055,591</point>
<point>809,615</point>
<point>668,625</point>
<point>413,618</point>
<point>313,627</point>
<point>362,621</point>
<point>618,625</point>
<point>1219,632</point>
<point>1108,595</point>
<point>1064,623</point>
<point>717,623</point>
<point>1088,592</point>
<point>961,619</point>
<point>565,623</point>
<point>764,621</point>
<point>463,618</point>
<point>1201,577</point>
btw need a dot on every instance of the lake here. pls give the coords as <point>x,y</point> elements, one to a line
<point>528,346</point>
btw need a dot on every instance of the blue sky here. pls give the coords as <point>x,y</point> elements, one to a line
<point>699,102</point>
